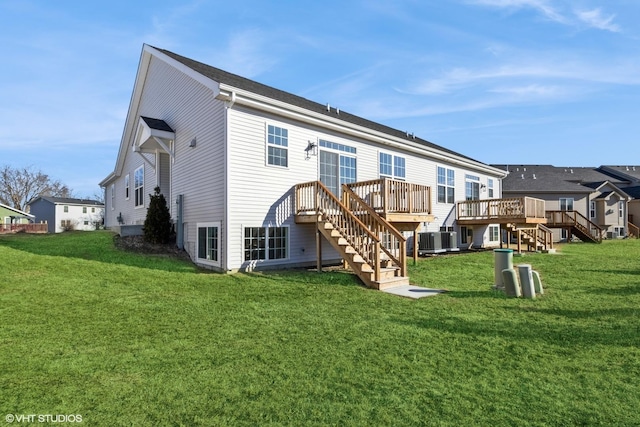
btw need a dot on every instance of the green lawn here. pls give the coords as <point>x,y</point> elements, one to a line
<point>127,339</point>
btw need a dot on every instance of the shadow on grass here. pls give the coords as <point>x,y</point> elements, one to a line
<point>489,293</point>
<point>538,328</point>
<point>95,246</point>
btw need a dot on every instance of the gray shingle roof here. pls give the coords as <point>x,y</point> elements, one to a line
<point>551,179</point>
<point>157,124</point>
<point>240,82</point>
<point>70,201</point>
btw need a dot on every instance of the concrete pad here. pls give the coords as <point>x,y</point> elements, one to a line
<point>411,291</point>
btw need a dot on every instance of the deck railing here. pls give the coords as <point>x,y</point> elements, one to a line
<point>24,228</point>
<point>574,219</point>
<point>501,209</point>
<point>541,234</point>
<point>634,231</point>
<point>386,195</point>
<point>392,242</point>
<point>314,198</point>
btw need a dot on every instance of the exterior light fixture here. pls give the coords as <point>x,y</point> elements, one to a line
<point>311,150</point>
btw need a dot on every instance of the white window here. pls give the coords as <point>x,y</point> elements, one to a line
<point>337,165</point>
<point>208,243</point>
<point>494,233</point>
<point>84,209</point>
<point>277,143</point>
<point>490,187</point>
<point>618,231</point>
<point>471,187</point>
<point>566,204</point>
<point>446,185</point>
<point>138,186</point>
<point>621,209</point>
<point>266,243</point>
<point>65,209</point>
<point>392,166</point>
<point>592,209</point>
<point>113,196</point>
<point>126,187</point>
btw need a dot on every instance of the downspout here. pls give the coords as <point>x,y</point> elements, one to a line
<point>227,161</point>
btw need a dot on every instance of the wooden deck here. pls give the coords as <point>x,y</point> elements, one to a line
<point>404,204</point>
<point>516,210</point>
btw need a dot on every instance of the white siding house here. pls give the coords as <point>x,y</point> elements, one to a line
<point>232,151</point>
<point>65,214</point>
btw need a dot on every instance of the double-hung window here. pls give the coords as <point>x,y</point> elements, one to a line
<point>566,204</point>
<point>208,243</point>
<point>494,233</point>
<point>392,166</point>
<point>138,185</point>
<point>266,243</point>
<point>446,185</point>
<point>126,187</point>
<point>490,187</point>
<point>277,146</point>
<point>621,209</point>
<point>592,210</point>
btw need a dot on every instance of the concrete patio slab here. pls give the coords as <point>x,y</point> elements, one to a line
<point>415,292</point>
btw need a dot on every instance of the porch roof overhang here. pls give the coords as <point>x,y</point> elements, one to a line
<point>153,135</point>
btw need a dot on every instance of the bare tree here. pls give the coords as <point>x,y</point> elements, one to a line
<point>19,186</point>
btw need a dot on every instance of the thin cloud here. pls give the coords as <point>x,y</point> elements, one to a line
<point>595,19</point>
<point>542,6</point>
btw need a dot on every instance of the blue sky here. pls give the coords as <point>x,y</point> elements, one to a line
<point>502,81</point>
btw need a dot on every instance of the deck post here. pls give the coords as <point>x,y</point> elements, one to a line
<point>519,241</point>
<point>318,249</point>
<point>415,246</point>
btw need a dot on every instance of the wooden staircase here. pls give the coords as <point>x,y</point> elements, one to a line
<point>371,247</point>
<point>578,224</point>
<point>538,238</point>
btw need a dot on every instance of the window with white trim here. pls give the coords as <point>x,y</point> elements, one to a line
<point>621,209</point>
<point>65,209</point>
<point>113,196</point>
<point>446,185</point>
<point>138,186</point>
<point>566,204</point>
<point>84,209</point>
<point>490,187</point>
<point>592,209</point>
<point>266,243</point>
<point>126,187</point>
<point>494,233</point>
<point>277,146</point>
<point>619,231</point>
<point>392,166</point>
<point>208,243</point>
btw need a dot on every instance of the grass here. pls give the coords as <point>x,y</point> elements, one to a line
<point>128,339</point>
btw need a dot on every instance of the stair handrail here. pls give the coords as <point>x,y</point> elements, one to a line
<point>634,230</point>
<point>540,234</point>
<point>378,225</point>
<point>577,220</point>
<point>357,234</point>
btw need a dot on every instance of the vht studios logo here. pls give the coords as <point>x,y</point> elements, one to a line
<point>43,418</point>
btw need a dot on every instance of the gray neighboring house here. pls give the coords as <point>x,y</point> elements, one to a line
<point>607,198</point>
<point>63,213</point>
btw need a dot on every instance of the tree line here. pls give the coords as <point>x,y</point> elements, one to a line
<point>19,186</point>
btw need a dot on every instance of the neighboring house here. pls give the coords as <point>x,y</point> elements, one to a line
<point>249,170</point>
<point>12,219</point>
<point>600,198</point>
<point>65,214</point>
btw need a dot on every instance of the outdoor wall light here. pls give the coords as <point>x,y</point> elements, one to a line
<point>192,144</point>
<point>311,150</point>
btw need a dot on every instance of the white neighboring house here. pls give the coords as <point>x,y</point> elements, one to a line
<point>230,156</point>
<point>64,214</point>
